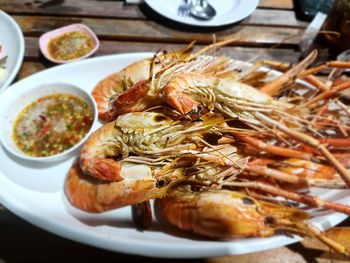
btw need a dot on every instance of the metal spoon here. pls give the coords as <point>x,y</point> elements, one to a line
<point>202,10</point>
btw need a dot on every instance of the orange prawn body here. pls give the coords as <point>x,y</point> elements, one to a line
<point>112,86</point>
<point>227,214</point>
<point>92,195</point>
<point>153,135</point>
<point>187,91</point>
<point>135,99</point>
<point>130,84</point>
<point>101,154</point>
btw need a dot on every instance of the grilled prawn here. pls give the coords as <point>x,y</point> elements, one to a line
<point>225,214</point>
<point>151,138</point>
<point>224,132</point>
<point>107,91</point>
<point>194,92</point>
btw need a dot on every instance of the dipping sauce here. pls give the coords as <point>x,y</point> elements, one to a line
<point>52,124</point>
<point>70,45</point>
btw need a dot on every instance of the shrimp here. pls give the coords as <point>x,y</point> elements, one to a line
<point>132,89</point>
<point>224,214</point>
<point>278,118</point>
<point>192,86</point>
<point>145,93</point>
<point>223,133</point>
<point>187,91</point>
<point>186,84</point>
<point>155,139</point>
<point>100,153</point>
<point>140,182</point>
<point>139,185</point>
<point>150,137</point>
<point>110,88</point>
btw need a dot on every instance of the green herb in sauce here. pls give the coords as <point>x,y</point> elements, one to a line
<point>70,45</point>
<point>52,124</point>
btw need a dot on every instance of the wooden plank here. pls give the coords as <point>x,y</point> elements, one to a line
<point>112,9</point>
<point>269,17</point>
<point>28,68</point>
<point>149,31</point>
<point>280,4</point>
<point>32,52</point>
<point>73,7</point>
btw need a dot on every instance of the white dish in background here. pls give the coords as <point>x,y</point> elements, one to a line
<point>45,39</point>
<point>11,38</point>
<point>227,12</point>
<point>16,103</point>
<point>35,191</point>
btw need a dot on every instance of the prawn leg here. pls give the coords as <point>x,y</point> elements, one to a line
<point>269,148</point>
<point>343,172</point>
<point>297,172</point>
<point>302,198</point>
<point>275,86</point>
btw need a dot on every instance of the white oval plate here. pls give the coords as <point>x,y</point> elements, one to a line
<point>35,191</point>
<point>11,39</point>
<point>227,12</point>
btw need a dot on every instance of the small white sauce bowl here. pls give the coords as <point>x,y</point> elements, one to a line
<point>46,38</point>
<point>17,103</point>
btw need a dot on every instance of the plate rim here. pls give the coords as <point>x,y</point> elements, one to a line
<point>195,23</point>
<point>143,246</point>
<point>19,62</point>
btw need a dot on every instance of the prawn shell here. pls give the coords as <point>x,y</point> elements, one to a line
<point>112,86</point>
<point>135,99</point>
<point>143,120</point>
<point>91,195</point>
<point>216,214</point>
<point>93,154</point>
<point>103,152</point>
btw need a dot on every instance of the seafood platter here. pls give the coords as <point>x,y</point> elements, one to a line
<point>193,155</point>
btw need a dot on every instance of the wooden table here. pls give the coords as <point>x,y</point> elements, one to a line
<point>134,28</point>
